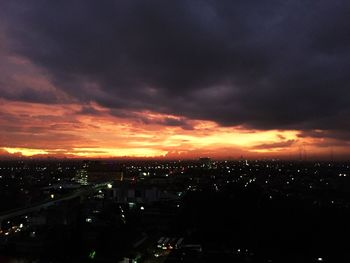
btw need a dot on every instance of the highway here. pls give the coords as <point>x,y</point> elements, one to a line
<point>47,203</point>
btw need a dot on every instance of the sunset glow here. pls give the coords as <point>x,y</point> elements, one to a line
<point>63,130</point>
<point>107,93</point>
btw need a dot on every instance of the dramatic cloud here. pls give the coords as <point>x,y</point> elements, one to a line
<point>37,129</point>
<point>260,65</point>
<point>275,145</point>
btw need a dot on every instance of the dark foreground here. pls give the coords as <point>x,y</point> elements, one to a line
<point>205,211</point>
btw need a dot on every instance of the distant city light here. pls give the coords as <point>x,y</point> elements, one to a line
<point>32,234</point>
<point>92,255</point>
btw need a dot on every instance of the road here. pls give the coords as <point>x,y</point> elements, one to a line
<point>47,203</point>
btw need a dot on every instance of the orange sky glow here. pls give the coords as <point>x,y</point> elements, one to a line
<point>64,129</point>
<point>92,94</point>
<point>34,129</point>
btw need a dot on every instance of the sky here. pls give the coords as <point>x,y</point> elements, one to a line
<point>175,79</point>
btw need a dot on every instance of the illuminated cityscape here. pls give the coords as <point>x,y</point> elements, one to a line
<point>171,211</point>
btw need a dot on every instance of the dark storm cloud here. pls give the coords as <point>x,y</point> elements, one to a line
<point>156,120</point>
<point>275,145</point>
<point>29,95</point>
<point>88,110</point>
<point>169,121</point>
<point>261,64</point>
<point>341,135</point>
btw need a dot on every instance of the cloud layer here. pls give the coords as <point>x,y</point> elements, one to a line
<point>266,65</point>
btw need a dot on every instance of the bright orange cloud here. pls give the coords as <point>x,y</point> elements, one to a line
<point>64,129</point>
